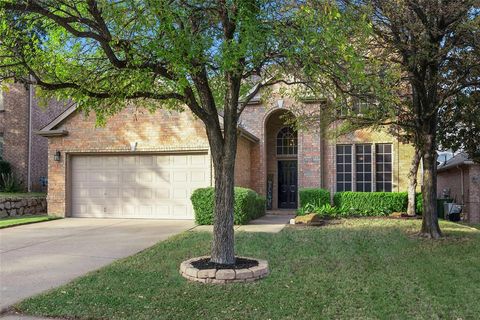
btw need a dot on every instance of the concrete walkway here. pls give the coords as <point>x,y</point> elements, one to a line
<point>269,223</point>
<point>38,257</point>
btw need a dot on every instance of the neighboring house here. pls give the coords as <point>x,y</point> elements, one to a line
<point>26,152</point>
<point>459,179</point>
<point>144,165</point>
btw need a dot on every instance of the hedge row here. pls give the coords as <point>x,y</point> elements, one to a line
<point>355,203</point>
<point>314,196</point>
<point>248,205</point>
<point>371,203</point>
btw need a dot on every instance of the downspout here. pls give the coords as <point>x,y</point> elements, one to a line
<point>29,162</point>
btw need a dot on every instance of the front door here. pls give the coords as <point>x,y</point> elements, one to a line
<point>287,184</point>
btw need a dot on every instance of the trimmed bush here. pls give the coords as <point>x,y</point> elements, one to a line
<point>247,205</point>
<point>260,207</point>
<point>371,203</point>
<point>314,196</point>
<point>5,169</point>
<point>419,203</point>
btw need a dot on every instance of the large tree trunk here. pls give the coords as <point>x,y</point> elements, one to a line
<point>430,227</point>
<point>412,183</point>
<point>223,149</point>
<point>223,245</point>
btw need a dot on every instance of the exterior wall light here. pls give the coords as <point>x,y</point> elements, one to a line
<point>133,146</point>
<point>57,156</point>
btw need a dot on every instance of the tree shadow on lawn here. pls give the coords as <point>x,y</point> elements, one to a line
<point>355,269</point>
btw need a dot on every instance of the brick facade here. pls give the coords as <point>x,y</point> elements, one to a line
<point>168,131</point>
<point>466,192</point>
<point>162,131</point>
<point>14,126</point>
<point>402,155</point>
<point>16,130</point>
<point>316,150</point>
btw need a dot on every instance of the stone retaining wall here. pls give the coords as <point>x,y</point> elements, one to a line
<point>224,276</point>
<point>11,207</point>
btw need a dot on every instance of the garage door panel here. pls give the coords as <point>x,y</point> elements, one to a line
<point>198,161</point>
<point>163,161</point>
<point>179,194</point>
<point>140,186</point>
<point>181,211</point>
<point>180,161</point>
<point>198,176</point>
<point>162,193</point>
<point>180,176</point>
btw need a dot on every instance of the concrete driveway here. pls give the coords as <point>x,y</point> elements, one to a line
<point>38,257</point>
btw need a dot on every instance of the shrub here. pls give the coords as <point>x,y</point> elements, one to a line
<point>313,196</point>
<point>370,203</point>
<point>10,183</point>
<point>260,207</point>
<point>247,205</point>
<point>419,203</point>
<point>5,168</point>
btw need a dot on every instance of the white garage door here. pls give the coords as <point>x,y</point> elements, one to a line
<point>140,186</point>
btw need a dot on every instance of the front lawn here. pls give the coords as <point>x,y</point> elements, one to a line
<point>359,268</point>
<point>16,221</point>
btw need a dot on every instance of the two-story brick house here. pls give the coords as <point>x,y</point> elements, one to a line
<point>20,117</point>
<point>144,165</point>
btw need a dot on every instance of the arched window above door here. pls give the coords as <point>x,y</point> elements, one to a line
<point>287,141</point>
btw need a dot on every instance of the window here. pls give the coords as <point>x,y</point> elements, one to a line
<point>359,177</point>
<point>356,106</point>
<point>363,167</point>
<point>383,167</point>
<point>361,105</point>
<point>287,141</point>
<point>344,168</point>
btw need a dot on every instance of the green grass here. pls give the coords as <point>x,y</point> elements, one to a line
<point>22,194</point>
<point>356,269</point>
<point>16,221</point>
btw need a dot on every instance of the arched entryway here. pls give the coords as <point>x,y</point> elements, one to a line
<point>282,164</point>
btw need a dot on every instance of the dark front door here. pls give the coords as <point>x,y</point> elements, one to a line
<point>287,184</point>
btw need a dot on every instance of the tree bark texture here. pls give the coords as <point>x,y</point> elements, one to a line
<point>412,183</point>
<point>430,227</point>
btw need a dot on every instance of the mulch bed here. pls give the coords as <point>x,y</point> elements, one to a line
<point>240,263</point>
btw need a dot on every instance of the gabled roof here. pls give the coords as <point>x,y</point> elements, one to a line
<point>50,129</point>
<point>460,159</point>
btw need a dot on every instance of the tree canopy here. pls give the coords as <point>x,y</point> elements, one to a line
<point>209,56</point>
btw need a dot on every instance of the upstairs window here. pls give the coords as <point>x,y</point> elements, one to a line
<point>287,142</point>
<point>356,107</point>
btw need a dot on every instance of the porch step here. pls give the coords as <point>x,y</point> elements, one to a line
<point>282,212</point>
